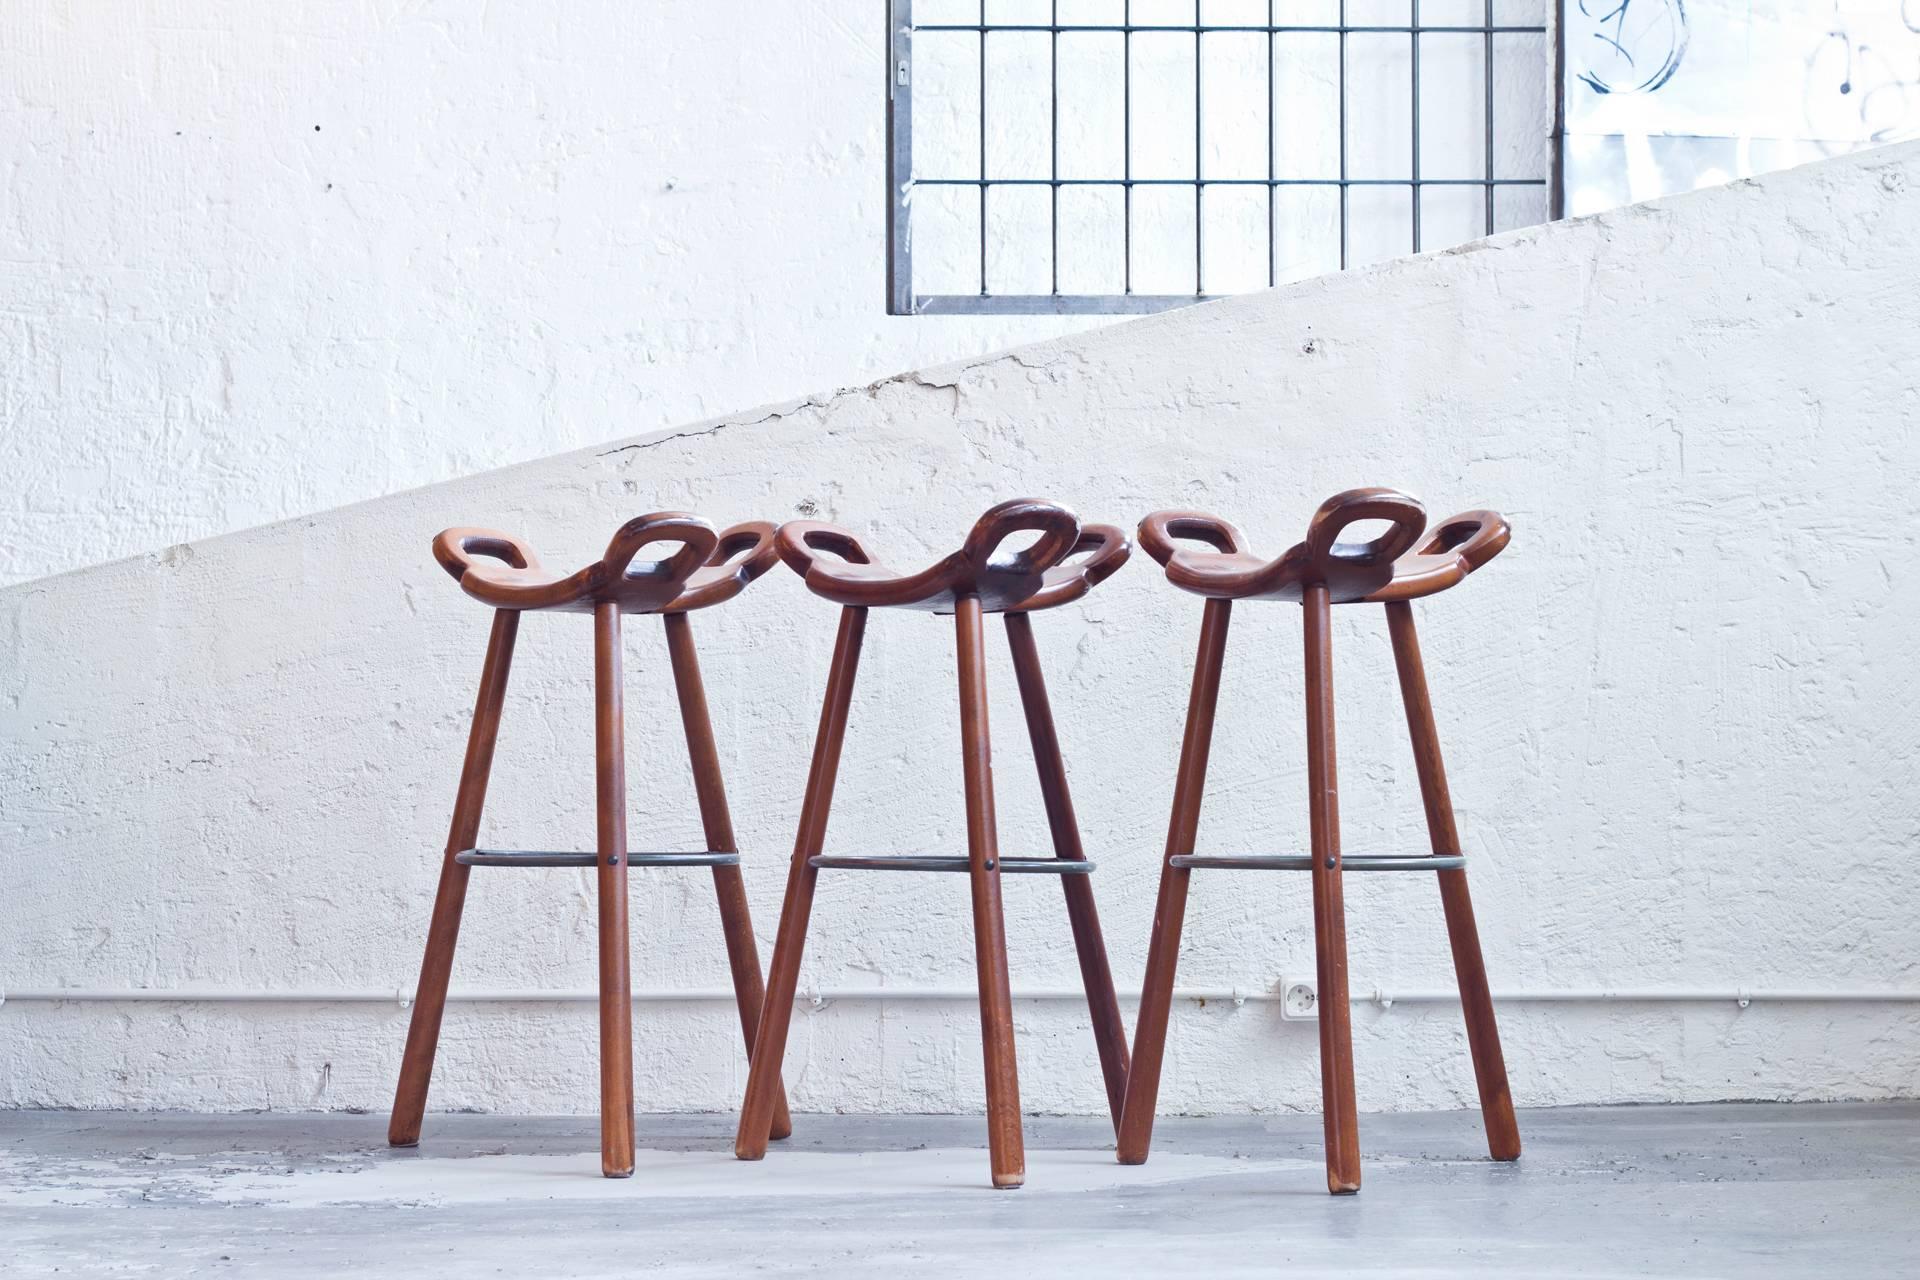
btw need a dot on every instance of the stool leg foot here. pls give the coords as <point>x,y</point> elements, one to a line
<point>783,978</point>
<point>436,964</point>
<point>1169,912</point>
<point>736,922</point>
<point>1329,914</point>
<point>1469,966</point>
<point>1096,975</point>
<point>616,989</point>
<point>989,925</point>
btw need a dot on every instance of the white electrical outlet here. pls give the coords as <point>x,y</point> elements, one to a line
<point>1299,1000</point>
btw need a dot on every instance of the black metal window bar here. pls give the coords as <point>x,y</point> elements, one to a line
<point>903,182</point>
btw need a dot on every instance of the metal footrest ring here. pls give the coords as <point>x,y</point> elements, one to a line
<point>1304,861</point>
<point>547,858</point>
<point>917,862</point>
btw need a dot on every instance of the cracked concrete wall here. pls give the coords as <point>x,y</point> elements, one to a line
<point>1679,713</point>
<point>267,259</point>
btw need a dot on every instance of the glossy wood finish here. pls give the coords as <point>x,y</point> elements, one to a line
<point>707,569</point>
<point>1170,910</point>
<point>989,922</point>
<point>1402,563</point>
<point>1379,569</point>
<point>436,965</point>
<point>736,923</point>
<point>1096,975</point>
<point>783,978</point>
<point>1469,966</point>
<point>616,987</point>
<point>1341,1115</point>
<point>838,567</point>
<point>1063,563</point>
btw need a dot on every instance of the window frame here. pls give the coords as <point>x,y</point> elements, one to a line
<point>903,300</point>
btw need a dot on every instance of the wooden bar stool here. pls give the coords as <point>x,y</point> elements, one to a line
<point>1318,573</point>
<point>707,569</point>
<point>970,583</point>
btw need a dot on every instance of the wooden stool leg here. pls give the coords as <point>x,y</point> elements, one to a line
<point>1109,1030</point>
<point>616,991</point>
<point>989,925</point>
<point>1169,912</point>
<point>1469,967</point>
<point>436,965</point>
<point>743,955</point>
<point>1329,914</point>
<point>783,978</point>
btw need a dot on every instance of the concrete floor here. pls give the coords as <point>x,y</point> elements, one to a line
<point>1728,1190</point>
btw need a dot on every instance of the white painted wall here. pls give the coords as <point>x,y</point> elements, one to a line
<point>1679,711</point>
<point>264,259</point>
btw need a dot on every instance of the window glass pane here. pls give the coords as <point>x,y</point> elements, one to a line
<point>1163,227</point>
<point>1163,13</point>
<point>1092,240</point>
<point>1453,106</point>
<point>1092,120</point>
<point>934,13</point>
<point>946,240</point>
<point>1306,232</point>
<point>1233,242</point>
<point>1379,224</point>
<point>1233,13</point>
<point>1019,105</point>
<point>1086,13</point>
<point>1233,99</point>
<point>1522,77</point>
<point>1379,106</point>
<point>1451,215</point>
<point>1515,207</point>
<point>1019,13</point>
<point>946,104</point>
<point>1162,109</point>
<point>1379,13</point>
<point>1306,105</point>
<point>1019,240</point>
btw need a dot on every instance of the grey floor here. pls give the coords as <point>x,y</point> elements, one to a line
<point>1726,1190</point>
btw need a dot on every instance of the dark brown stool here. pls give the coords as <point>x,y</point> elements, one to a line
<point>1318,573</point>
<point>971,582</point>
<point>708,568</point>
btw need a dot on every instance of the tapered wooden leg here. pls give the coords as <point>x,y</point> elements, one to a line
<point>1329,913</point>
<point>1109,1030</point>
<point>1169,912</point>
<point>616,990</point>
<point>989,924</point>
<point>743,954</point>
<point>783,979</point>
<point>430,999</point>
<point>1469,967</point>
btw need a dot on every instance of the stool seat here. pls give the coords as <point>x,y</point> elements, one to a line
<point>1382,569</point>
<point>708,568</point>
<point>837,567</point>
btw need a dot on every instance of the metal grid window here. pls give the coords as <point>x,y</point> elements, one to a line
<point>1076,156</point>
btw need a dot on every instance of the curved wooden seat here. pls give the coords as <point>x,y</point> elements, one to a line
<point>1382,569</point>
<point>501,570</point>
<point>838,567</point>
